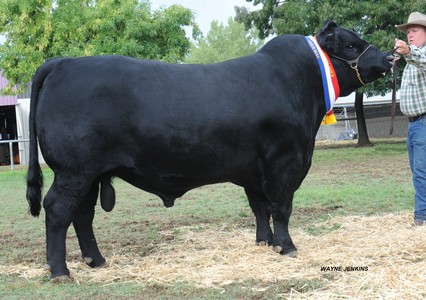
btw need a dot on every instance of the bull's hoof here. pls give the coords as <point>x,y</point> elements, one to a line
<point>292,253</point>
<point>61,279</point>
<point>58,279</point>
<point>95,263</point>
<point>88,260</point>
<point>264,242</point>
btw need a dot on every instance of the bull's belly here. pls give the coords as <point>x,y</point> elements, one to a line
<point>170,186</point>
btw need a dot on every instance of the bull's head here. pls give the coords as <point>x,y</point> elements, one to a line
<point>356,61</point>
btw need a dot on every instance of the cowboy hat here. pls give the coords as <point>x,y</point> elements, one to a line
<point>415,18</point>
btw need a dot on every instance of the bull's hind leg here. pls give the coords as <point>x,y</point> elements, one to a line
<point>82,222</point>
<point>61,205</point>
<point>261,208</point>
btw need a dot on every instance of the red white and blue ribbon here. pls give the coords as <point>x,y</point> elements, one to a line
<point>329,77</point>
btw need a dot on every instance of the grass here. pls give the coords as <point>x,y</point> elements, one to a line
<point>342,181</point>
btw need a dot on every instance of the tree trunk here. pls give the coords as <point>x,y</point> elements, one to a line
<point>363,140</point>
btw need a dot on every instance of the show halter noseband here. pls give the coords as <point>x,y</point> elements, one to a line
<point>354,63</point>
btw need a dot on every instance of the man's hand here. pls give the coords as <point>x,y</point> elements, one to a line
<point>401,47</point>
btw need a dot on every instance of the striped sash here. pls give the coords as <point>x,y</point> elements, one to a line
<point>329,77</point>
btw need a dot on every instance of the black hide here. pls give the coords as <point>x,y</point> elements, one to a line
<point>169,128</point>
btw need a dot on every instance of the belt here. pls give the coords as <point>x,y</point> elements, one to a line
<point>412,119</point>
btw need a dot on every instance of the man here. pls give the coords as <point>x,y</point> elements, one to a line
<point>413,105</point>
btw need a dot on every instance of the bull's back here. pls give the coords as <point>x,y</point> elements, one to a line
<point>107,108</point>
<point>110,111</point>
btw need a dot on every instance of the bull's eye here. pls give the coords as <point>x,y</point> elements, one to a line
<point>350,47</point>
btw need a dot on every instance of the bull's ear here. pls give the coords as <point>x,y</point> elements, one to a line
<point>327,37</point>
<point>329,24</point>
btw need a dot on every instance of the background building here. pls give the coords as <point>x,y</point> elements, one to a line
<point>14,111</point>
<point>377,112</point>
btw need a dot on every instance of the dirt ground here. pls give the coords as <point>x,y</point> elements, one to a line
<point>376,257</point>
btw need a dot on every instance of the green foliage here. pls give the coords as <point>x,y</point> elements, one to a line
<point>224,42</point>
<point>41,29</point>
<point>260,19</point>
<point>374,21</point>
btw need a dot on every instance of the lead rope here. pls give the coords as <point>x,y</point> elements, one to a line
<point>395,57</point>
<point>355,67</point>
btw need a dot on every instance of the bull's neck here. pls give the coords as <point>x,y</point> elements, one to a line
<point>330,82</point>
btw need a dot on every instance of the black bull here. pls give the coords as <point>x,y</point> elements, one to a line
<point>169,128</point>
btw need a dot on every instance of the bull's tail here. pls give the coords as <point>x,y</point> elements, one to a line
<point>34,174</point>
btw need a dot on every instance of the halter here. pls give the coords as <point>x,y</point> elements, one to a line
<point>354,63</point>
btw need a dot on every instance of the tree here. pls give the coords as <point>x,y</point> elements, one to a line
<point>39,29</point>
<point>373,20</point>
<point>224,42</point>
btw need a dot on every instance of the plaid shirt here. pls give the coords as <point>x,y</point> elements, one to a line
<point>413,85</point>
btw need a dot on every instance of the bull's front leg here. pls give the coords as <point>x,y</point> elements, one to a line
<point>262,211</point>
<point>83,225</point>
<point>281,212</point>
<point>281,182</point>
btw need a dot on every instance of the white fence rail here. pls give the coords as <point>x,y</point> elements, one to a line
<point>20,147</point>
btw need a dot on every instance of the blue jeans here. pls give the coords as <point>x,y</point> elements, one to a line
<point>416,144</point>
